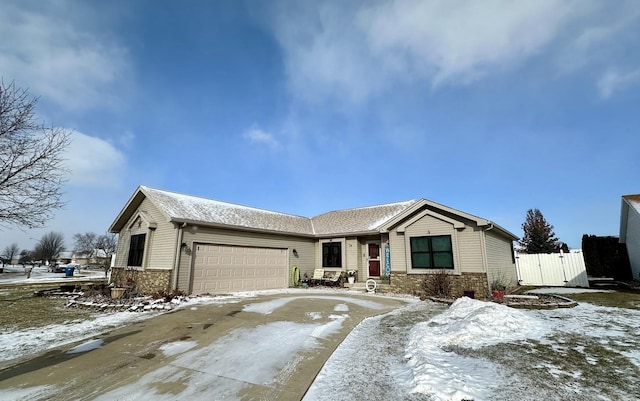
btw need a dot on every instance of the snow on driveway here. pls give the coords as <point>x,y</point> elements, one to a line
<point>423,351</point>
<point>263,355</point>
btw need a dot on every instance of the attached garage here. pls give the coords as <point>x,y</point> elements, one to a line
<point>220,269</point>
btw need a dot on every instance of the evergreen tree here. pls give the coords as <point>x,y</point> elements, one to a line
<point>538,234</point>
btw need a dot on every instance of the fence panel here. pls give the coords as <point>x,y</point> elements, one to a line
<point>553,269</point>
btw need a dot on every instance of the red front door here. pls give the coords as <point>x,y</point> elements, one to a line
<point>374,259</point>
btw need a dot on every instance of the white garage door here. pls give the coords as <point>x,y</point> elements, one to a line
<point>222,269</point>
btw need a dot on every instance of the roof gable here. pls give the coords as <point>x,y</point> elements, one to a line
<point>633,201</point>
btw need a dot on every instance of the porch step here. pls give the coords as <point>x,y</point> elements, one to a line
<point>381,286</point>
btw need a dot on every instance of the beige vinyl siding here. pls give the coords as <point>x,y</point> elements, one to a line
<point>164,239</point>
<point>470,248</point>
<point>398,252</point>
<point>633,241</point>
<point>430,226</point>
<point>123,249</point>
<point>304,246</point>
<point>500,260</point>
<point>353,254</point>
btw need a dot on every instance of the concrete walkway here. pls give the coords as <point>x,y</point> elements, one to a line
<point>132,362</point>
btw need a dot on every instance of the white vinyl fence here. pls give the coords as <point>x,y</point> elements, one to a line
<point>552,269</point>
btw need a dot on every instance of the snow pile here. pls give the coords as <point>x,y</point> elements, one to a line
<point>446,375</point>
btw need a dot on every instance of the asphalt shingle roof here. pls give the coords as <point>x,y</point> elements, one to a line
<point>360,219</point>
<point>180,207</point>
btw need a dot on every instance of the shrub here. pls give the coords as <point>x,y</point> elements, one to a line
<point>438,284</point>
<point>168,295</point>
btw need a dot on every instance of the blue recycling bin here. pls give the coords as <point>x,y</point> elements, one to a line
<point>68,272</point>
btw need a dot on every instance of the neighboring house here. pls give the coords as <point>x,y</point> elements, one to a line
<point>630,231</point>
<point>95,257</point>
<point>198,245</point>
<point>64,257</point>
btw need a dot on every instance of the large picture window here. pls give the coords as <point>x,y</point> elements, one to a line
<point>432,252</point>
<point>331,254</point>
<point>136,250</point>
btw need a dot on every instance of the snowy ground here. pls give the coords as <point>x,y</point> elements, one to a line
<point>477,350</point>
<point>17,274</point>
<point>472,350</point>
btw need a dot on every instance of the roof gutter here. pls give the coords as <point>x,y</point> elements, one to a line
<point>241,228</point>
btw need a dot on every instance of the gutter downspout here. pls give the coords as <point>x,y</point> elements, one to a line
<point>176,267</point>
<point>485,260</point>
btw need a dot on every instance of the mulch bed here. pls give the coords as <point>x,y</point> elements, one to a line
<point>538,301</point>
<point>99,302</point>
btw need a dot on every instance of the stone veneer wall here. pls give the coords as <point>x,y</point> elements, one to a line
<point>147,281</point>
<point>403,283</point>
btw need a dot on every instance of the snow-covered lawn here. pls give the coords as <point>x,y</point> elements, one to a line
<point>472,350</point>
<point>478,350</point>
<point>17,274</point>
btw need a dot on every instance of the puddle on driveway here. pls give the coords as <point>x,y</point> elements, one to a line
<point>86,347</point>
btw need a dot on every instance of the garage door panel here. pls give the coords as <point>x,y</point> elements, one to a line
<point>225,268</point>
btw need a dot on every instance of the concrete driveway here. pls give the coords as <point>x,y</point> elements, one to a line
<point>270,347</point>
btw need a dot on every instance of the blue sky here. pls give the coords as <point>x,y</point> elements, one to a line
<point>491,107</point>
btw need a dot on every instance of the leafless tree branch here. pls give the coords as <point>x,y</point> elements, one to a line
<point>31,164</point>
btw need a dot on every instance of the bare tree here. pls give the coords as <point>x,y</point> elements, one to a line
<point>97,247</point>
<point>10,252</point>
<point>31,164</point>
<point>85,243</point>
<point>107,244</point>
<point>50,245</point>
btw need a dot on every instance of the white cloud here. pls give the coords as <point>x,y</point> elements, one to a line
<point>325,55</point>
<point>258,136</point>
<point>42,49</point>
<point>348,52</point>
<point>93,162</point>
<point>333,49</point>
<point>613,81</point>
<point>603,28</point>
<point>458,41</point>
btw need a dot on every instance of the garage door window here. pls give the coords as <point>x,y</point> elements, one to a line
<point>332,254</point>
<point>136,250</point>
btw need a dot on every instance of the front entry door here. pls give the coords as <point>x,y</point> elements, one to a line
<point>374,259</point>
